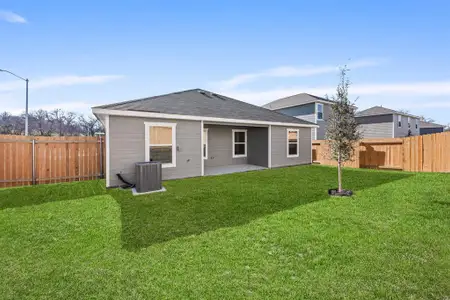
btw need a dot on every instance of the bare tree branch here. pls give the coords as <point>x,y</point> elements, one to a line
<point>55,122</point>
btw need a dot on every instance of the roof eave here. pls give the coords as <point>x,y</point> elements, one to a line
<point>392,113</point>
<point>142,114</point>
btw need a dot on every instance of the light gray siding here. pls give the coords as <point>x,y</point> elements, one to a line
<point>307,112</point>
<point>375,126</point>
<point>258,149</point>
<point>294,100</point>
<point>127,146</point>
<point>403,130</point>
<point>220,146</point>
<point>299,110</point>
<point>309,118</point>
<point>323,124</point>
<point>279,147</point>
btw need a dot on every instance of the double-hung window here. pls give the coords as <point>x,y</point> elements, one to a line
<point>292,143</point>
<point>399,120</point>
<point>417,126</point>
<point>409,122</point>
<point>160,143</point>
<point>239,143</point>
<point>319,111</point>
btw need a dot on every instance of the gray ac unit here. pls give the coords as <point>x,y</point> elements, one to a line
<point>148,177</point>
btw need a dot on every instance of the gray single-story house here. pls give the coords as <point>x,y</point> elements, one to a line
<point>382,122</point>
<point>307,107</point>
<point>197,133</point>
<point>429,128</point>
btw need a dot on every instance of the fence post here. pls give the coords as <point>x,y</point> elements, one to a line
<point>33,162</point>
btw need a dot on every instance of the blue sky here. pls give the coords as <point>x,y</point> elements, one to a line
<point>86,53</point>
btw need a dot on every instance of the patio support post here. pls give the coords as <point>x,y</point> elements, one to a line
<point>269,147</point>
<point>201,148</point>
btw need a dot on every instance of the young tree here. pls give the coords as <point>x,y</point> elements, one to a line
<point>342,131</point>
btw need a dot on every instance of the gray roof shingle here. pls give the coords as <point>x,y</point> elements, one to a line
<point>424,124</point>
<point>380,110</point>
<point>294,100</point>
<point>198,102</point>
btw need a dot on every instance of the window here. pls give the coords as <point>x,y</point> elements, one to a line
<point>409,122</point>
<point>319,111</point>
<point>399,119</point>
<point>205,143</point>
<point>417,126</point>
<point>292,143</point>
<point>160,143</point>
<point>239,143</point>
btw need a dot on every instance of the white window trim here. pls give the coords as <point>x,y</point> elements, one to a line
<point>409,122</point>
<point>399,119</point>
<point>317,111</point>
<point>287,142</point>
<point>205,131</point>
<point>245,143</point>
<point>174,142</point>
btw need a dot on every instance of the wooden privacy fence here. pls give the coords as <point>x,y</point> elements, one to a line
<point>28,160</point>
<point>424,153</point>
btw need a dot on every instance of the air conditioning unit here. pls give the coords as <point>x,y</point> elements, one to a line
<point>148,177</point>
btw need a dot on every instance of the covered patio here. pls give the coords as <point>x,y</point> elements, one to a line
<point>232,148</point>
<point>220,170</point>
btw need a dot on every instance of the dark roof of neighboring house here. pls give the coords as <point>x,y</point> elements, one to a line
<point>380,110</point>
<point>198,102</point>
<point>294,100</point>
<point>424,124</point>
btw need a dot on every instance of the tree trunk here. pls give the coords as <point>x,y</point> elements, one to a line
<point>339,173</point>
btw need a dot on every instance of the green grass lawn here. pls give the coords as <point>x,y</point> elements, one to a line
<point>266,234</point>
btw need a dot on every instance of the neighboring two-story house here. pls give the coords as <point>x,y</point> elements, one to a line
<point>382,122</point>
<point>307,107</point>
<point>429,128</point>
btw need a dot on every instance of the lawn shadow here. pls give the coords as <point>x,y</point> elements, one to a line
<point>197,205</point>
<point>38,194</point>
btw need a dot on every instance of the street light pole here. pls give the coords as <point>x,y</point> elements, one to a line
<point>26,97</point>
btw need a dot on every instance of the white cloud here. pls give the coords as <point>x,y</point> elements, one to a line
<point>11,17</point>
<point>435,88</point>
<point>58,81</point>
<point>434,104</point>
<point>290,71</point>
